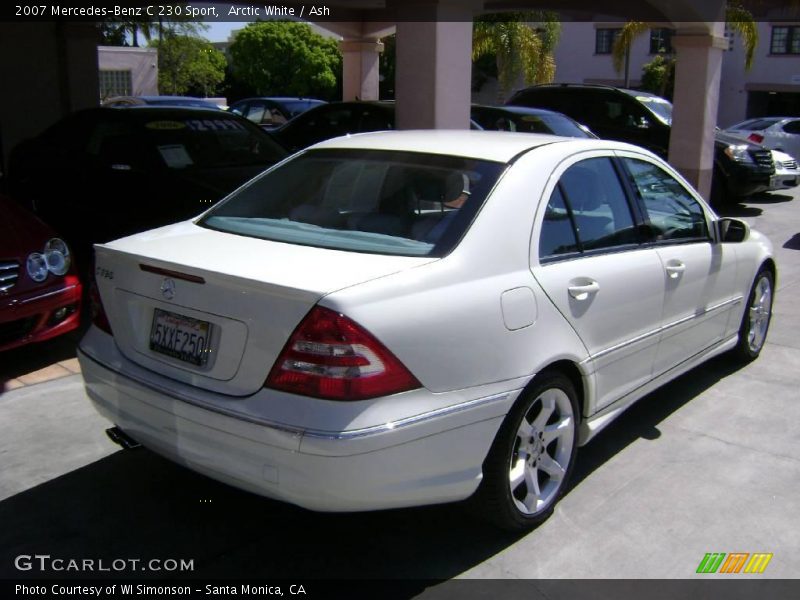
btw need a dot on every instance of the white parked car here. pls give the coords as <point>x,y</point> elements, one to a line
<point>409,318</point>
<point>777,133</point>
<point>787,172</point>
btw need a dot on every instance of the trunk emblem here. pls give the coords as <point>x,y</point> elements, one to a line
<point>168,288</point>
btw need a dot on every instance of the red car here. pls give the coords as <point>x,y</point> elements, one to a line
<point>40,293</point>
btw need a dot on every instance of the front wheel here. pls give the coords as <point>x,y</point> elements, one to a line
<point>531,459</point>
<point>757,316</point>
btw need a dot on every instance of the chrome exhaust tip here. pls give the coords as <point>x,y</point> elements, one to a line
<point>119,437</point>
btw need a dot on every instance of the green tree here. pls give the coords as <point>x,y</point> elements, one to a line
<point>658,76</point>
<point>125,31</point>
<point>286,58</point>
<point>188,64</point>
<point>736,18</point>
<point>521,50</point>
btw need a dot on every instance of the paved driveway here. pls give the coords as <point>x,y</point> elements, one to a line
<point>708,463</point>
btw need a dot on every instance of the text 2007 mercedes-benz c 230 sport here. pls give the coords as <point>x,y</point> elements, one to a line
<point>418,317</point>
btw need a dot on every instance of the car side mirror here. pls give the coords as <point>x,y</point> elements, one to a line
<point>732,230</point>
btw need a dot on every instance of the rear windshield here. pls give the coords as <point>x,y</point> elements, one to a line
<point>374,201</point>
<point>183,142</point>
<point>549,124</point>
<point>295,107</point>
<point>755,124</point>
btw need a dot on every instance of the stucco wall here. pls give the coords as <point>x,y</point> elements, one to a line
<point>141,62</point>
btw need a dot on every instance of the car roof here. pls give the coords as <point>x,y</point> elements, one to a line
<point>600,86</point>
<point>163,109</point>
<point>496,146</point>
<point>772,120</point>
<point>280,98</point>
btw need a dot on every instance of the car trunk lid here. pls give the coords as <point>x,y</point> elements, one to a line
<point>241,298</point>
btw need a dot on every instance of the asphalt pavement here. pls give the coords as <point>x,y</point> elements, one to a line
<point>710,463</point>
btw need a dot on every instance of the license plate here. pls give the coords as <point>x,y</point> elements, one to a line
<point>180,337</point>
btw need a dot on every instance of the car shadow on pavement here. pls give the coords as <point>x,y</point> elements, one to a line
<point>738,210</point>
<point>641,420</point>
<point>135,504</point>
<point>793,243</point>
<point>769,198</point>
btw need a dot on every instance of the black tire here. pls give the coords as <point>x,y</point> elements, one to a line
<point>756,318</point>
<point>501,501</point>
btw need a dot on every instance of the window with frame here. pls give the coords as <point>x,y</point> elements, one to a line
<point>604,39</point>
<point>661,41</point>
<point>115,83</point>
<point>792,127</point>
<point>588,210</point>
<point>671,212</point>
<point>785,40</point>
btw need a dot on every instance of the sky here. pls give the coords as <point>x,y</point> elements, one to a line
<point>219,31</point>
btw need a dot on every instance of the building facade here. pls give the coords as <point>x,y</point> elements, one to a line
<point>126,71</point>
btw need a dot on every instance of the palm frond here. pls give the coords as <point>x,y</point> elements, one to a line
<point>741,21</point>
<point>629,32</point>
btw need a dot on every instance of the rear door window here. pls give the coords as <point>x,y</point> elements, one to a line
<point>590,201</point>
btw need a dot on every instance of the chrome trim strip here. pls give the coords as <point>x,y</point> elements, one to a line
<point>177,395</point>
<point>595,423</point>
<point>48,294</point>
<point>663,328</point>
<point>433,414</point>
<point>622,345</point>
<point>315,433</point>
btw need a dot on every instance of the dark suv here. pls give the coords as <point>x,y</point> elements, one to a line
<point>741,168</point>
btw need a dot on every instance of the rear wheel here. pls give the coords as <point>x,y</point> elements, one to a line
<point>531,460</point>
<point>756,318</point>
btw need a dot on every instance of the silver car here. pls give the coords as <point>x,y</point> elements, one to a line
<point>787,172</point>
<point>776,133</point>
<point>419,317</point>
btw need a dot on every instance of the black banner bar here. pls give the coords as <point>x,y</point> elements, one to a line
<point>393,11</point>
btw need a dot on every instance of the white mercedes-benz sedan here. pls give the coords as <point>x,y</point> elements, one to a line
<point>418,317</point>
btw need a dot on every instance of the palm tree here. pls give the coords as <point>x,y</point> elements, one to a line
<point>519,49</point>
<point>736,18</point>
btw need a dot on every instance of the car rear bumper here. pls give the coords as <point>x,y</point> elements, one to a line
<point>431,459</point>
<point>40,315</point>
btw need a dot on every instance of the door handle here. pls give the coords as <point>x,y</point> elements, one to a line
<point>581,292</point>
<point>675,269</point>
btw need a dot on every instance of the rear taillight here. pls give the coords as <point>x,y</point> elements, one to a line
<point>99,318</point>
<point>329,356</point>
<point>754,137</point>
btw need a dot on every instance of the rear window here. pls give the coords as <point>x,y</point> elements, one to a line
<point>180,142</point>
<point>295,107</point>
<point>755,125</point>
<point>551,124</point>
<point>383,202</point>
<point>209,142</point>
